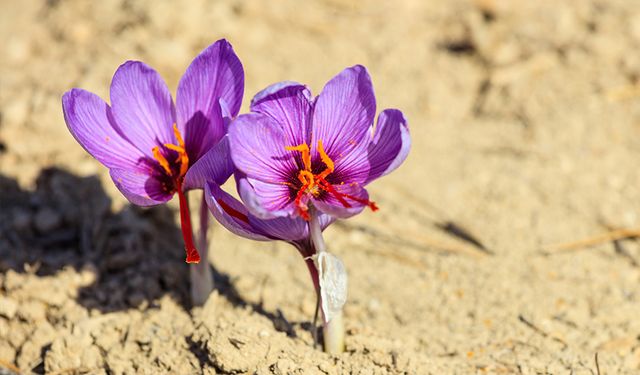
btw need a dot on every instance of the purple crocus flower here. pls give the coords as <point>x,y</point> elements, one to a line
<point>302,162</point>
<point>152,148</point>
<point>294,151</point>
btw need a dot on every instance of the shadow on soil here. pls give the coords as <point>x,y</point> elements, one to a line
<point>67,221</point>
<point>136,253</point>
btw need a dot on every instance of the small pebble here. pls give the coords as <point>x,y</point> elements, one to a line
<point>283,366</point>
<point>373,306</point>
<point>12,280</point>
<point>55,296</point>
<point>8,307</point>
<point>33,311</point>
<point>135,299</point>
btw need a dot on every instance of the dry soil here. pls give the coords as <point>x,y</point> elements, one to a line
<point>525,118</point>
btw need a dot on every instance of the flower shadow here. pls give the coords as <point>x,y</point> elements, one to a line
<point>136,254</point>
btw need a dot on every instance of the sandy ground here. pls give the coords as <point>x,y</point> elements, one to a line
<point>525,117</point>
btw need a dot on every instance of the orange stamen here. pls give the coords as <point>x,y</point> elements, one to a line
<point>176,132</point>
<point>306,155</point>
<point>161,159</point>
<point>326,160</point>
<point>183,157</point>
<point>307,179</point>
<point>310,181</point>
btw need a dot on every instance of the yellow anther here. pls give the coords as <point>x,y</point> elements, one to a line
<point>183,158</point>
<point>325,158</point>
<point>184,164</point>
<point>306,155</point>
<point>176,132</point>
<point>161,159</point>
<point>173,147</point>
<point>307,178</point>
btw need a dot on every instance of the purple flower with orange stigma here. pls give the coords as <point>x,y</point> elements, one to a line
<point>153,148</point>
<point>302,162</point>
<point>294,151</point>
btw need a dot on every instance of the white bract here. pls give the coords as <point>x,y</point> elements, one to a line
<point>333,283</point>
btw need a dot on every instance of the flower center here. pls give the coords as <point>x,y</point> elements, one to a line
<point>314,184</point>
<point>185,218</point>
<point>182,159</point>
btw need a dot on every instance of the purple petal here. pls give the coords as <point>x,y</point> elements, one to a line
<point>139,188</point>
<point>330,205</point>
<point>343,113</point>
<point>142,106</point>
<point>89,120</point>
<point>378,154</point>
<point>216,73</point>
<point>258,149</point>
<point>231,213</point>
<point>215,165</point>
<point>282,228</point>
<point>226,114</point>
<point>325,220</point>
<point>235,217</point>
<point>265,200</point>
<point>290,105</point>
<point>390,145</point>
<point>201,133</point>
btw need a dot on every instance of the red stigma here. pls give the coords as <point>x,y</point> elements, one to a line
<point>185,218</point>
<point>187,232</point>
<point>232,212</point>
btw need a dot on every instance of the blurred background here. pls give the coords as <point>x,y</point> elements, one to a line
<point>525,121</point>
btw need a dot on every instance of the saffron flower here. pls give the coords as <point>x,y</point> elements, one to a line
<point>151,146</point>
<point>301,163</point>
<point>294,152</point>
